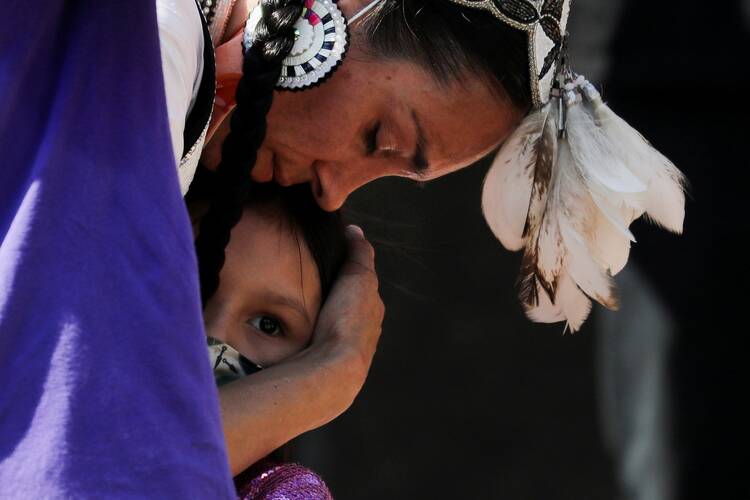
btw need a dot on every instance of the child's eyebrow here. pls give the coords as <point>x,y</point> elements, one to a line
<point>287,301</point>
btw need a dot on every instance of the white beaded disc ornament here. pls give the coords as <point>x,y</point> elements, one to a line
<point>319,46</point>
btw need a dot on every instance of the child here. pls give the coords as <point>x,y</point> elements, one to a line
<point>280,263</point>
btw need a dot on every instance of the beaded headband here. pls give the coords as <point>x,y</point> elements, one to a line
<point>545,22</point>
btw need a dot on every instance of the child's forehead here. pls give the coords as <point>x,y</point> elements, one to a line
<point>292,214</point>
<point>267,225</point>
<point>266,244</point>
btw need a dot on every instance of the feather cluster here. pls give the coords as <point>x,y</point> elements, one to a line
<point>564,189</point>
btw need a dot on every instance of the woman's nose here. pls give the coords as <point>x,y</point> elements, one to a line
<point>333,183</point>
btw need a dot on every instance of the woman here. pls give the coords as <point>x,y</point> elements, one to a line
<point>390,109</point>
<point>370,139</point>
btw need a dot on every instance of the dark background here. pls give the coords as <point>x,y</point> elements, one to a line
<point>466,398</point>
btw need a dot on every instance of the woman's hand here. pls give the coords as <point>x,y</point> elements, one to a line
<point>263,411</point>
<point>350,320</point>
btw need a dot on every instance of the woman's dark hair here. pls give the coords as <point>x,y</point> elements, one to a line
<point>452,42</point>
<point>448,40</point>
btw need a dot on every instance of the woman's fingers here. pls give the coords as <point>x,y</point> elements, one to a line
<point>352,315</point>
<point>361,255</point>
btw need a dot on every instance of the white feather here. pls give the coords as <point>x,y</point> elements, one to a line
<point>549,255</point>
<point>572,215</point>
<point>572,302</point>
<point>571,305</point>
<point>541,225</point>
<point>550,260</point>
<point>589,275</point>
<point>619,218</point>
<point>664,202</point>
<point>545,311</point>
<point>592,153</point>
<point>568,254</point>
<point>609,247</point>
<point>508,184</point>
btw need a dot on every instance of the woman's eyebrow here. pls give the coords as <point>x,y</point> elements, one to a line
<point>288,302</point>
<point>419,162</point>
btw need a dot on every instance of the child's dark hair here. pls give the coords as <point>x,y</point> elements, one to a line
<point>322,232</point>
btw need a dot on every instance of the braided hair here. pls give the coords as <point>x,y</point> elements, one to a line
<point>261,69</point>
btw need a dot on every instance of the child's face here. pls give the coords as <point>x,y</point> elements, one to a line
<point>269,291</point>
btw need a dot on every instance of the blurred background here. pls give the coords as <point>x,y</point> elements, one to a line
<point>467,399</point>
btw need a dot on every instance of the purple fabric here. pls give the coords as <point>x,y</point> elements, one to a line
<point>106,392</point>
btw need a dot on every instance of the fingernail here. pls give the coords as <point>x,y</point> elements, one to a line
<point>354,231</point>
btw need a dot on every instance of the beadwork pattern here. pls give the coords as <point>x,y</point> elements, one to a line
<point>209,10</point>
<point>319,46</point>
<point>545,22</point>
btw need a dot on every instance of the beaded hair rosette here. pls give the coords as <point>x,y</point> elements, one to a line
<point>320,43</point>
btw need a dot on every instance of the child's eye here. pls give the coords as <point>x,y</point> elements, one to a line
<point>266,324</point>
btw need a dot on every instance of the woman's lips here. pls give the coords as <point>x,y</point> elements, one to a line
<point>264,168</point>
<point>273,167</point>
<point>284,172</point>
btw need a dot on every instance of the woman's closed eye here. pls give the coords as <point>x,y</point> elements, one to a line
<point>267,325</point>
<point>389,141</point>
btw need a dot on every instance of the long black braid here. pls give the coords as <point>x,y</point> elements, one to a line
<point>261,68</point>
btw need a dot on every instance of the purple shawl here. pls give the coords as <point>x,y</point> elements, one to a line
<point>106,392</point>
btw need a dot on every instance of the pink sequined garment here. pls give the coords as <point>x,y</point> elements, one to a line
<point>286,482</point>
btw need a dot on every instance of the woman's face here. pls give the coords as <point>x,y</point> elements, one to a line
<point>374,118</point>
<point>269,291</point>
